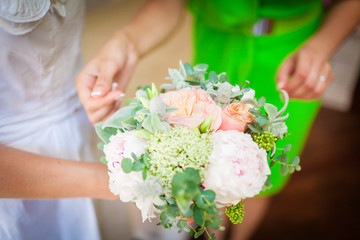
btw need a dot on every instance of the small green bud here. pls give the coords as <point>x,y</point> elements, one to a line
<point>205,125</point>
<point>144,101</point>
<point>154,90</point>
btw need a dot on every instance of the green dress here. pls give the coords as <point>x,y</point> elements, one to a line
<point>224,40</point>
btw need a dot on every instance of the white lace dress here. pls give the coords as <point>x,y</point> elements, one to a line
<point>40,56</point>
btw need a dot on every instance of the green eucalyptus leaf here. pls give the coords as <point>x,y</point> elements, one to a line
<point>181,224</point>
<point>254,111</point>
<point>134,156</point>
<point>213,77</point>
<point>100,146</point>
<point>198,215</point>
<point>262,120</point>
<point>272,163</point>
<point>201,67</point>
<point>170,200</point>
<point>198,234</point>
<point>284,158</point>
<point>200,200</point>
<point>215,223</point>
<point>103,160</point>
<point>291,169</point>
<point>189,69</point>
<point>188,213</point>
<point>126,165</point>
<point>252,128</point>
<point>138,166</point>
<point>144,173</point>
<point>159,207</point>
<point>295,161</point>
<point>209,195</point>
<point>283,170</point>
<point>287,148</point>
<point>146,161</point>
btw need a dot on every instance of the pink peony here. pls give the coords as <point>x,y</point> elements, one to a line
<point>236,116</point>
<point>121,146</point>
<point>238,168</point>
<point>194,106</point>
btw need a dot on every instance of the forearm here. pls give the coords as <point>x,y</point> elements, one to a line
<point>340,21</point>
<point>33,176</point>
<point>154,23</point>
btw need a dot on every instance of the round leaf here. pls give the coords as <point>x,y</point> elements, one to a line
<point>126,165</point>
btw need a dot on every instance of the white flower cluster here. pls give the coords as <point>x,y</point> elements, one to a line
<point>131,186</point>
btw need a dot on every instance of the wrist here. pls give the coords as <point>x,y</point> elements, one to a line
<point>322,48</point>
<point>124,35</point>
<point>100,182</point>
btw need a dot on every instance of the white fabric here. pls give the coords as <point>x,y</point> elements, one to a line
<point>40,56</point>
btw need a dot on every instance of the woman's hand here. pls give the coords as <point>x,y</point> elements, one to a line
<point>305,74</point>
<point>102,81</point>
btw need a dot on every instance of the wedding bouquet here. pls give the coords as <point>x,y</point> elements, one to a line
<point>201,145</point>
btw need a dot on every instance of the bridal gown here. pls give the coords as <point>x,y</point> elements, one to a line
<point>40,56</point>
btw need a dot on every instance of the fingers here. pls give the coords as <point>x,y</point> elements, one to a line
<point>303,65</point>
<point>128,69</point>
<point>286,69</point>
<point>325,78</point>
<point>300,74</point>
<point>308,83</point>
<point>107,71</point>
<point>98,109</point>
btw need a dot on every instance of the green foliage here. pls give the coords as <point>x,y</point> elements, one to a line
<point>136,164</point>
<point>287,167</point>
<point>104,133</point>
<point>189,199</point>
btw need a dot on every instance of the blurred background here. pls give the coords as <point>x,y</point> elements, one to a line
<point>319,202</point>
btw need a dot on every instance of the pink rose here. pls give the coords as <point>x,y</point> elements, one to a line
<point>236,116</point>
<point>194,106</point>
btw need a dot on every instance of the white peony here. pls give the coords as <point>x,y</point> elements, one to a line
<point>121,146</point>
<point>238,168</point>
<point>131,186</point>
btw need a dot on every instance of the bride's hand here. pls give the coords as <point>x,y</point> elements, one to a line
<point>102,81</point>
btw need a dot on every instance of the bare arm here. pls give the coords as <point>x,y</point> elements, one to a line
<point>300,73</point>
<point>116,60</point>
<point>32,176</point>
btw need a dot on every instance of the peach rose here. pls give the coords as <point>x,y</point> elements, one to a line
<point>194,106</point>
<point>235,116</point>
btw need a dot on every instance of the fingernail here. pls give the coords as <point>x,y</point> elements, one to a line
<point>97,91</point>
<point>115,85</point>
<point>280,85</point>
<point>118,97</point>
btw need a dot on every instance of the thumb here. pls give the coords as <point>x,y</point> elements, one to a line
<point>103,84</point>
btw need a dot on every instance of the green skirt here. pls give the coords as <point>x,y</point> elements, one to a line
<point>257,58</point>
